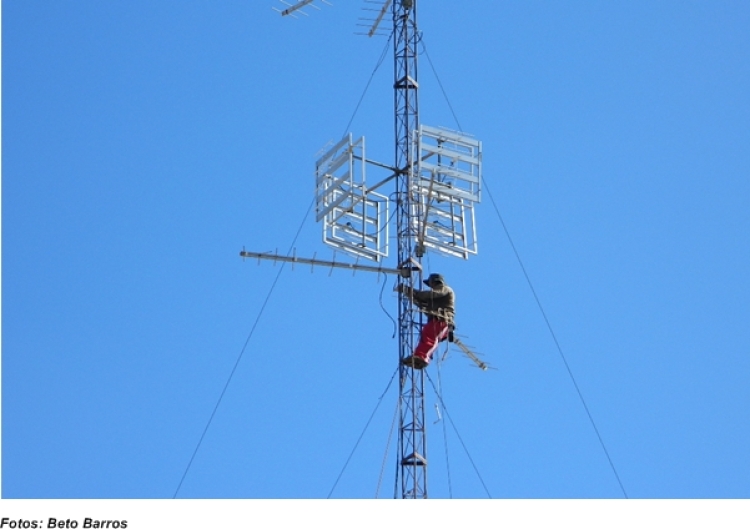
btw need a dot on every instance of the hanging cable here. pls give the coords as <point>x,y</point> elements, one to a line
<point>385,456</point>
<point>270,292</point>
<point>273,286</point>
<point>367,86</point>
<point>385,280</point>
<point>242,351</point>
<point>445,410</point>
<point>533,291</point>
<point>440,84</point>
<point>395,326</point>
<point>362,434</point>
<point>557,343</point>
<point>445,433</point>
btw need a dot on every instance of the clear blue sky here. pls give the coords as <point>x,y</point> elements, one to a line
<point>145,143</point>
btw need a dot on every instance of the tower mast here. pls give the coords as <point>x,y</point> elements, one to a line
<point>437,176</point>
<point>411,471</point>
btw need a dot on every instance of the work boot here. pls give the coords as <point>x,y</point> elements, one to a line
<point>415,362</point>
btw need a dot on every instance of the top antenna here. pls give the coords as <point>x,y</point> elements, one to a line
<point>297,7</point>
<point>379,18</point>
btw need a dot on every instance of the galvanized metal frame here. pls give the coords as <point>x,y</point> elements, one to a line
<point>448,183</point>
<point>449,163</point>
<point>448,226</point>
<point>355,220</point>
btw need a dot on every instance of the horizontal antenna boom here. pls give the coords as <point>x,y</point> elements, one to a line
<point>403,272</point>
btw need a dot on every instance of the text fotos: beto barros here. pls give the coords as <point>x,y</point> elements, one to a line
<point>55,523</point>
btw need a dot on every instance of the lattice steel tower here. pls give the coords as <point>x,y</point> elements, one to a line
<point>437,175</point>
<point>412,466</point>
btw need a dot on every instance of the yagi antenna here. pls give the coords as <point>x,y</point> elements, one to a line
<point>293,8</point>
<point>379,18</point>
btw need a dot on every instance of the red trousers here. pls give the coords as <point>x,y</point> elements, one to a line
<point>433,332</point>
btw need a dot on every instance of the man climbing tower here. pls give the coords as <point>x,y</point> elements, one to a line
<point>439,304</point>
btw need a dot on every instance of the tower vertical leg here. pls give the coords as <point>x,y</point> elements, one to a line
<point>411,472</point>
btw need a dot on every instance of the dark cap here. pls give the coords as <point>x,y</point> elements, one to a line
<point>434,279</point>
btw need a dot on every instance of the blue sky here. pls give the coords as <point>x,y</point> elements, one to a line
<point>146,143</point>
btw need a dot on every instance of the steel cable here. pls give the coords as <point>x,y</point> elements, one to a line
<point>385,455</point>
<point>533,291</point>
<point>466,450</point>
<point>445,433</point>
<point>242,352</point>
<point>356,444</point>
<point>369,81</point>
<point>557,343</point>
